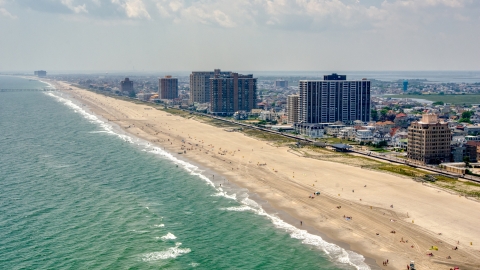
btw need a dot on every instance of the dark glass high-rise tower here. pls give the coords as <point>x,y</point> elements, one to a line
<point>334,99</point>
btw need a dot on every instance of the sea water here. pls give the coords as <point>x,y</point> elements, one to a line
<point>78,193</point>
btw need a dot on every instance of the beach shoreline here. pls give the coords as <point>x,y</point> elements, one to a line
<point>230,188</point>
<point>288,197</point>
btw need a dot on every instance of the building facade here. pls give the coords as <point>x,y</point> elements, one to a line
<point>334,99</point>
<point>168,87</point>
<point>127,86</point>
<point>292,108</point>
<point>281,84</point>
<point>40,73</point>
<point>429,141</point>
<point>231,93</point>
<point>200,85</point>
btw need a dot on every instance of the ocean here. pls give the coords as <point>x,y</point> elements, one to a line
<point>79,193</point>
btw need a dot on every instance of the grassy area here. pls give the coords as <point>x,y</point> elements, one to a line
<point>338,140</point>
<point>400,169</point>
<point>466,188</point>
<point>454,99</point>
<point>379,150</point>
<point>266,136</point>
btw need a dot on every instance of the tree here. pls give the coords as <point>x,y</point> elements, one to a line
<point>438,103</point>
<point>374,114</point>
<point>467,114</point>
<point>383,114</point>
<point>466,117</point>
<point>467,161</point>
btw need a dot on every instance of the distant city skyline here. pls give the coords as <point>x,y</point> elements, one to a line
<point>250,35</point>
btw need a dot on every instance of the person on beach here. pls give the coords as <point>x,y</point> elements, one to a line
<point>301,223</point>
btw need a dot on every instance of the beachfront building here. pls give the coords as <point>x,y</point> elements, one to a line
<point>334,129</point>
<point>364,135</point>
<point>292,108</point>
<point>126,86</point>
<point>347,133</point>
<point>334,99</point>
<point>168,87</point>
<point>200,85</point>
<point>232,92</point>
<point>40,73</point>
<point>429,141</point>
<point>310,130</point>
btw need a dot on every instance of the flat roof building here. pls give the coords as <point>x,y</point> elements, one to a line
<point>40,73</point>
<point>200,85</point>
<point>231,93</point>
<point>334,99</point>
<point>429,141</point>
<point>168,87</point>
<point>281,84</point>
<point>127,86</point>
<point>292,108</point>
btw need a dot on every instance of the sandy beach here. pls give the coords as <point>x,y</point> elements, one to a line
<point>377,203</point>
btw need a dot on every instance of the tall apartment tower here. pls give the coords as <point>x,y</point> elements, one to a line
<point>279,84</point>
<point>429,141</point>
<point>292,108</point>
<point>127,86</point>
<point>40,73</point>
<point>231,93</point>
<point>200,85</point>
<point>334,99</point>
<point>168,87</point>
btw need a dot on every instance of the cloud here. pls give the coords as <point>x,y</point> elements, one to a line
<point>5,13</point>
<point>133,8</point>
<point>298,15</point>
<point>77,9</point>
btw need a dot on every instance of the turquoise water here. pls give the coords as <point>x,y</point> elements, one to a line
<point>78,194</point>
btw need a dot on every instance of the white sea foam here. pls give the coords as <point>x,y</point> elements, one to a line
<point>159,225</point>
<point>241,208</point>
<point>170,253</point>
<point>168,236</point>
<point>335,252</point>
<point>194,264</point>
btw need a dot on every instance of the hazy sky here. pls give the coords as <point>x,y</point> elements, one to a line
<point>183,35</point>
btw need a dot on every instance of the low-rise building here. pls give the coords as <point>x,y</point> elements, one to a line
<point>347,133</point>
<point>310,130</point>
<point>364,135</point>
<point>333,130</point>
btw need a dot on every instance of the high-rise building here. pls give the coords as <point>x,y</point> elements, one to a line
<point>405,86</point>
<point>168,87</point>
<point>200,85</point>
<point>292,108</point>
<point>334,77</point>
<point>40,73</point>
<point>334,99</point>
<point>231,93</point>
<point>429,141</point>
<point>127,86</point>
<point>281,84</point>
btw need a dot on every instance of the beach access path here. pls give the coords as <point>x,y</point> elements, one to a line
<point>422,216</point>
